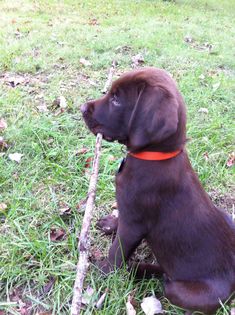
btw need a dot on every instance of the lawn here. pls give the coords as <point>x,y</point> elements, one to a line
<point>43,45</point>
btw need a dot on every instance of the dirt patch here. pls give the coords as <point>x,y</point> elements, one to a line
<point>225,202</point>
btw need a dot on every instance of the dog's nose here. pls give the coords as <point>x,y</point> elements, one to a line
<point>84,108</point>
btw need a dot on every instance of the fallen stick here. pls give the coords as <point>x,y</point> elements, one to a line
<point>84,241</point>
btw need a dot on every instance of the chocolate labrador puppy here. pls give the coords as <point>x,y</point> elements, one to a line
<point>159,196</point>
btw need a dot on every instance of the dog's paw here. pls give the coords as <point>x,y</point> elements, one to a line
<point>108,224</point>
<point>105,266</point>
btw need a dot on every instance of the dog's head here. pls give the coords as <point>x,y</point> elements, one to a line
<point>143,109</point>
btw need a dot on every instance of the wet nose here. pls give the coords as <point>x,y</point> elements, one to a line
<point>84,108</point>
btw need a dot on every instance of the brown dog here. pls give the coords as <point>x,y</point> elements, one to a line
<point>159,196</point>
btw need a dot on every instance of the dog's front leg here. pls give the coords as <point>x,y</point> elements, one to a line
<point>128,237</point>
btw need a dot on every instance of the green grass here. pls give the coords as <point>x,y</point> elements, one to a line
<point>44,41</point>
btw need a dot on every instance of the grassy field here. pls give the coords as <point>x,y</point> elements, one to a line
<point>41,46</point>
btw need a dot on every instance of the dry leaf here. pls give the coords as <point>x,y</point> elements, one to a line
<point>60,102</point>
<point>115,213</point>
<point>231,159</point>
<point>88,162</point>
<point>57,234</point>
<point>206,156</point>
<point>64,209</point>
<point>111,158</point>
<point>203,110</point>
<point>85,62</point>
<point>96,254</point>
<point>15,157</point>
<point>3,144</point>
<point>87,295</point>
<point>81,151</point>
<point>101,299</point>
<point>15,80</point>
<point>151,305</point>
<point>93,21</point>
<point>129,307</point>
<point>137,59</point>
<point>3,124</point>
<point>188,39</point>
<point>216,86</point>
<point>47,288</point>
<point>114,205</point>
<point>44,313</point>
<point>81,205</point>
<point>42,108</point>
<point>202,77</point>
<point>3,206</point>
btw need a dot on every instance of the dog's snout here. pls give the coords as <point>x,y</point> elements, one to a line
<point>84,108</point>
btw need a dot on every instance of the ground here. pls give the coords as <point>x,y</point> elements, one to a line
<point>55,49</point>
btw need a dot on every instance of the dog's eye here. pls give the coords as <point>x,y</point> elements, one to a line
<point>115,101</point>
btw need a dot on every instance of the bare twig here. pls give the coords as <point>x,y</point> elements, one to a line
<point>110,76</point>
<point>84,242</point>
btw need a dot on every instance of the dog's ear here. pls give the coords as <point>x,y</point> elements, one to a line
<point>154,117</point>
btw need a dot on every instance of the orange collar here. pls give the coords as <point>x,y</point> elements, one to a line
<point>155,156</point>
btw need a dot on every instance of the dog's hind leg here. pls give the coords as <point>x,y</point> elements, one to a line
<point>203,296</point>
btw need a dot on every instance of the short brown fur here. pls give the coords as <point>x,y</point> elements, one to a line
<point>163,201</point>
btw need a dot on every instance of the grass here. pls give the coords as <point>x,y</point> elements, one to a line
<point>42,42</point>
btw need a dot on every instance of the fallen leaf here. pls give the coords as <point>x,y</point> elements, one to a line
<point>151,306</point>
<point>87,295</point>
<point>206,156</point>
<point>85,62</point>
<point>115,213</point>
<point>42,108</point>
<point>60,102</point>
<point>231,159</point>
<point>129,307</point>
<point>81,205</point>
<point>88,162</point>
<point>3,124</point>
<point>18,34</point>
<point>3,144</point>
<point>101,300</point>
<point>188,39</point>
<point>92,82</point>
<point>15,157</point>
<point>216,86</point>
<point>3,206</point>
<point>93,21</point>
<point>64,209</point>
<point>2,312</point>
<point>137,59</point>
<point>57,234</point>
<point>96,254</point>
<point>202,77</point>
<point>47,288</point>
<point>44,313</point>
<point>81,151</point>
<point>111,158</point>
<point>203,110</point>
<point>114,205</point>
<point>15,80</point>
